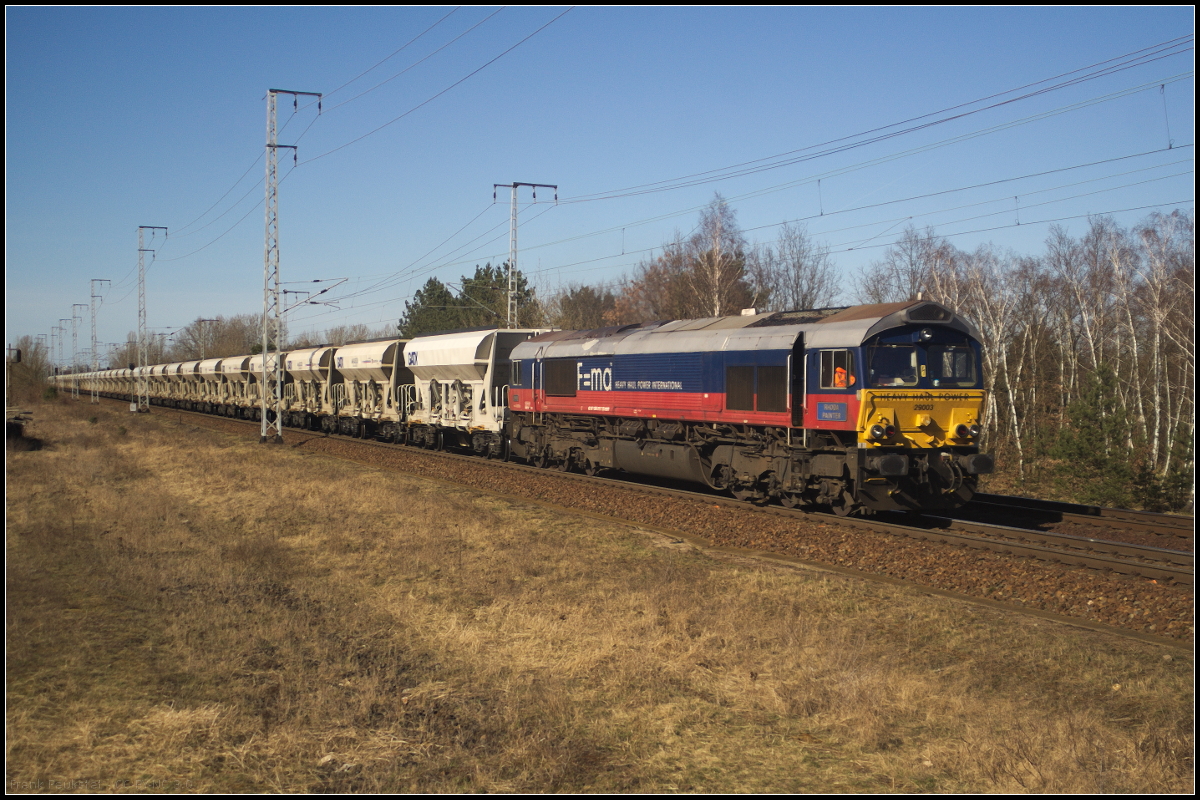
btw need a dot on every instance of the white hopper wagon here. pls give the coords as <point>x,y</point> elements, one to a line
<point>307,396</point>
<point>368,397</point>
<point>172,382</point>
<point>255,383</point>
<point>213,391</point>
<point>460,393</point>
<point>236,371</point>
<point>189,382</point>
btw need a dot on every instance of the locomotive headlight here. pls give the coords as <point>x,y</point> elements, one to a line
<point>926,334</point>
<point>881,432</point>
<point>967,432</point>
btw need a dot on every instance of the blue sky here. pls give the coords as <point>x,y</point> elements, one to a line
<point>120,117</point>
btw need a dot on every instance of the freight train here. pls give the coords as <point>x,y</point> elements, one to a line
<point>856,409</point>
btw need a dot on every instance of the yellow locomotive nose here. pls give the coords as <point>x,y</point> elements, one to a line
<point>923,418</point>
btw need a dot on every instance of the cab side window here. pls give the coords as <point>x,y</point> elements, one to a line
<point>837,369</point>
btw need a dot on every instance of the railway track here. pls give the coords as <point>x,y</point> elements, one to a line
<point>1170,526</point>
<point>1122,596</point>
<point>1154,563</point>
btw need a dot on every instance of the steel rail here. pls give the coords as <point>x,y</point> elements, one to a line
<point>1147,562</point>
<point>1126,519</point>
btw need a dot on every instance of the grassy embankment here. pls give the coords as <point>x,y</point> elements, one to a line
<point>173,626</point>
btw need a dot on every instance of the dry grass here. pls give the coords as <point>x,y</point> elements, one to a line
<point>193,613</point>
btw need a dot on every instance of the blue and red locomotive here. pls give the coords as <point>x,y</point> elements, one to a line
<point>873,407</point>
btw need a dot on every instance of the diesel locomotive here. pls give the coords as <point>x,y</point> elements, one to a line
<point>873,407</point>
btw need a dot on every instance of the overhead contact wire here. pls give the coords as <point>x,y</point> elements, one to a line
<point>439,94</point>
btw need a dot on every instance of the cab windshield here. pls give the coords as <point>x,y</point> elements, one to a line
<point>952,366</point>
<point>934,366</point>
<point>892,365</point>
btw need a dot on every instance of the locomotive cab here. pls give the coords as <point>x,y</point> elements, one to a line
<point>916,382</point>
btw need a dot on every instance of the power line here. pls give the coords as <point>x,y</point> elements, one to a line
<point>394,53</point>
<point>429,100</point>
<point>421,61</point>
<point>861,165</point>
<point>1088,215</point>
<point>376,130</point>
<point>397,278</point>
<point>897,220</point>
<point>344,85</point>
<point>253,164</point>
<point>1138,58</point>
<point>240,200</point>
<point>1141,54</point>
<point>875,162</point>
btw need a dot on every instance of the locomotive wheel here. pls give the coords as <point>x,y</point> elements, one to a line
<point>789,500</point>
<point>540,460</point>
<point>844,505</point>
<point>591,468</point>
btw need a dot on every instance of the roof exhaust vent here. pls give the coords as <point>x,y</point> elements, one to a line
<point>929,312</point>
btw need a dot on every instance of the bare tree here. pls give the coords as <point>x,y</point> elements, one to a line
<point>27,377</point>
<point>799,272</point>
<point>702,276</point>
<point>579,307</point>
<point>345,334</point>
<point>213,338</point>
<point>718,269</point>
<point>1167,295</point>
<point>904,271</point>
